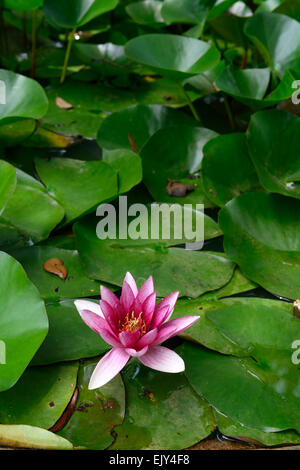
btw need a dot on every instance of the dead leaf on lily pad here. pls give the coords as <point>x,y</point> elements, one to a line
<point>63,104</point>
<point>56,266</point>
<point>177,189</point>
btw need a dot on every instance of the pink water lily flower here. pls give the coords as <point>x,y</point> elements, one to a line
<point>134,326</point>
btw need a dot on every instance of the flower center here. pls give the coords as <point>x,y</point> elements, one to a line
<point>132,323</point>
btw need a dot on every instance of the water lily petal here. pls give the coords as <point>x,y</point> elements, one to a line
<point>163,359</point>
<point>129,340</point>
<point>159,316</point>
<point>127,297</point>
<point>173,328</point>
<point>130,280</point>
<point>134,353</point>
<point>110,338</point>
<point>94,321</point>
<point>147,339</point>
<point>169,301</point>
<point>108,367</point>
<point>110,297</point>
<point>111,316</point>
<point>148,308</point>
<point>146,289</point>
<point>88,305</point>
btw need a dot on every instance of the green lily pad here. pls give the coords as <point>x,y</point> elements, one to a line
<point>146,12</point>
<point>273,34</point>
<point>261,236</point>
<point>78,185</point>
<point>23,321</point>
<point>270,134</point>
<point>40,396</point>
<point>8,182</point>
<point>231,428</point>
<point>31,210</point>
<point>51,286</point>
<point>268,377</point>
<point>289,8</point>
<point>138,122</point>
<point>24,98</point>
<point>171,55</point>
<point>248,86</point>
<point>107,59</point>
<point>128,166</point>
<point>230,24</point>
<point>23,4</point>
<point>154,417</point>
<point>75,13</point>
<point>186,11</point>
<point>69,338</point>
<point>29,437</point>
<point>175,153</point>
<point>16,132</point>
<point>190,272</point>
<point>97,411</point>
<point>227,170</point>
<point>230,383</point>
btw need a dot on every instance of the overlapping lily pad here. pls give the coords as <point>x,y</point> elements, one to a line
<point>78,185</point>
<point>69,338</point>
<point>50,285</point>
<point>128,166</point>
<point>138,124</point>
<point>154,418</point>
<point>145,12</point>
<point>273,34</point>
<point>175,153</point>
<point>24,98</point>
<point>23,321</point>
<point>190,272</point>
<point>97,411</point>
<point>171,55</point>
<point>40,396</point>
<point>31,210</point>
<point>262,236</point>
<point>270,134</point>
<point>70,14</point>
<point>29,437</point>
<point>268,377</point>
<point>8,182</point>
<point>227,170</point>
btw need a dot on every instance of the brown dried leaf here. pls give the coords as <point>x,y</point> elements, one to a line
<point>62,104</point>
<point>56,266</point>
<point>177,189</point>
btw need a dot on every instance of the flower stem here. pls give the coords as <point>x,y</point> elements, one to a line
<point>229,112</point>
<point>67,56</point>
<point>34,41</point>
<point>190,104</point>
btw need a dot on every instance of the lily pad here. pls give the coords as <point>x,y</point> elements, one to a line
<point>107,59</point>
<point>248,86</point>
<point>24,98</point>
<point>270,134</point>
<point>273,34</point>
<point>69,338</point>
<point>154,418</point>
<point>261,236</point>
<point>97,411</point>
<point>128,166</point>
<point>8,182</point>
<point>227,170</point>
<point>51,286</point>
<point>190,272</point>
<point>23,321</point>
<point>268,377</point>
<point>78,185</point>
<point>175,153</point>
<point>75,13</point>
<point>29,437</point>
<point>138,122</point>
<point>23,4</point>
<point>31,210</point>
<point>231,428</point>
<point>146,12</point>
<point>171,55</point>
<point>186,11</point>
<point>40,396</point>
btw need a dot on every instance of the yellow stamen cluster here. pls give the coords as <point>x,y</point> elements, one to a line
<point>132,323</point>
